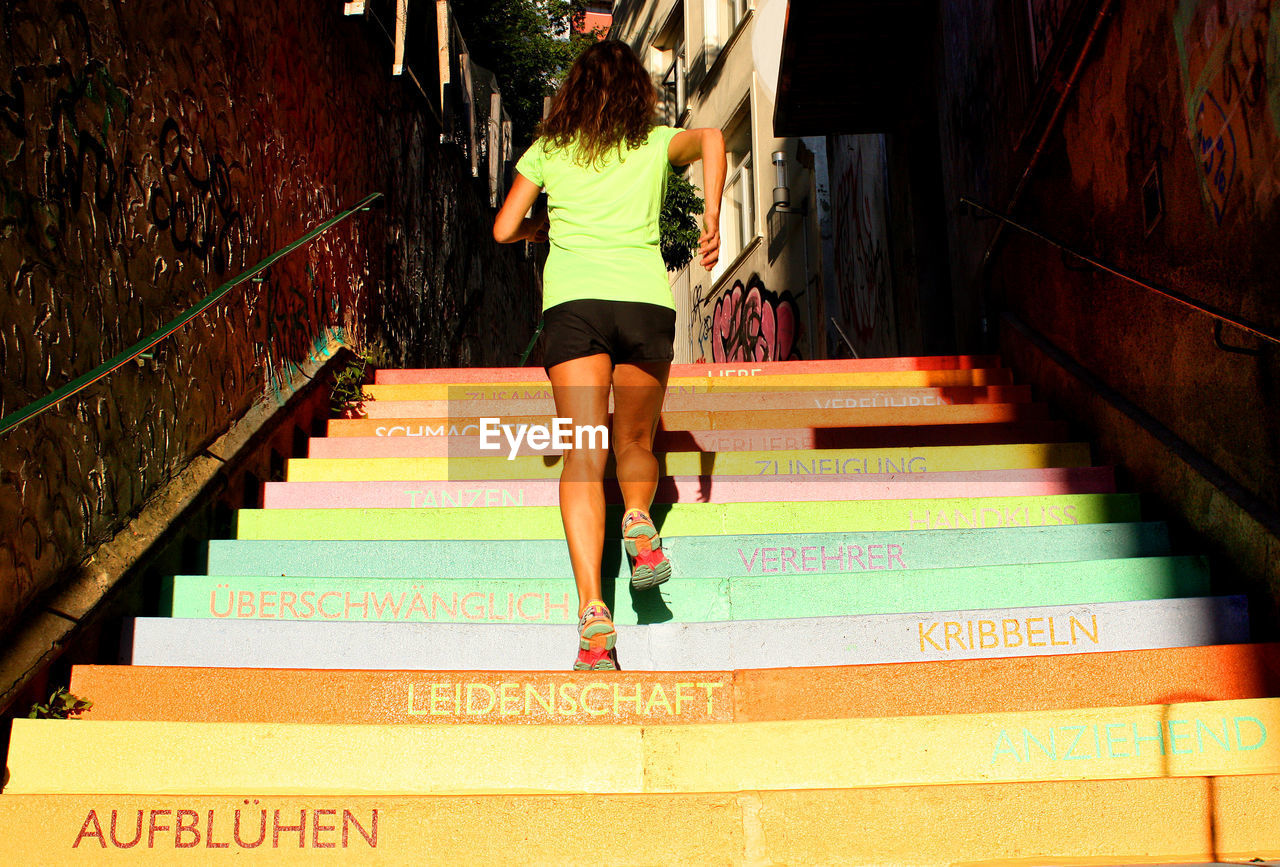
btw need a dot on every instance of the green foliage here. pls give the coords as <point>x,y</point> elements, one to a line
<point>678,223</point>
<point>347,395</point>
<point>61,705</point>
<point>527,45</point>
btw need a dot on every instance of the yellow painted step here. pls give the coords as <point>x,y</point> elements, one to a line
<point>1195,739</point>
<point>1145,821</point>
<point>821,462</point>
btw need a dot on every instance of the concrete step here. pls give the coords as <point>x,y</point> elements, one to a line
<point>814,462</point>
<point>460,404</point>
<point>1197,739</point>
<point>735,369</point>
<point>694,489</point>
<point>548,599</point>
<point>705,556</point>
<point>1077,680</point>
<point>915,637</point>
<point>402,441</point>
<point>1209,819</point>
<point>691,519</point>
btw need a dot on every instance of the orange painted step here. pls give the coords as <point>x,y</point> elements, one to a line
<point>1119,679</point>
<point>758,368</point>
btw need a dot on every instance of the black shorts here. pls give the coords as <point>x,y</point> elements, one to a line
<point>629,332</point>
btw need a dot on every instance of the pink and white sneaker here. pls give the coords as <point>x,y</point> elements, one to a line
<point>596,638</point>
<point>649,565</point>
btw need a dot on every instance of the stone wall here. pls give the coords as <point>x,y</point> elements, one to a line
<point>150,151</point>
<point>1164,162</point>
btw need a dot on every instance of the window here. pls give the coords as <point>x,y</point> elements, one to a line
<point>721,18</point>
<point>669,56</point>
<point>738,211</point>
<point>673,87</point>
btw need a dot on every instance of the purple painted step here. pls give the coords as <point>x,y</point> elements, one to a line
<point>695,489</point>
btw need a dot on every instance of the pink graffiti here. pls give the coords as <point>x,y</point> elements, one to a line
<point>752,324</point>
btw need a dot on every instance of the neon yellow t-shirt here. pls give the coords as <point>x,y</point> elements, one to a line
<point>603,222</point>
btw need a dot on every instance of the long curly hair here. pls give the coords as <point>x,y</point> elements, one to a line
<point>607,100</point>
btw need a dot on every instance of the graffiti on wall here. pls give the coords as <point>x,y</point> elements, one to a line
<point>745,322</point>
<point>148,152</point>
<point>750,323</point>
<point>862,268</point>
<point>701,313</point>
<point>1232,102</point>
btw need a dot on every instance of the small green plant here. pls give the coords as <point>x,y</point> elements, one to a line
<point>61,705</point>
<point>678,224</point>
<point>347,394</point>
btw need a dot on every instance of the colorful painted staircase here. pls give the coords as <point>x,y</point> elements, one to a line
<point>909,624</point>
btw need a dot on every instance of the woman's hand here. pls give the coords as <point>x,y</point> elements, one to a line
<point>709,240</point>
<point>536,229</point>
<point>706,144</point>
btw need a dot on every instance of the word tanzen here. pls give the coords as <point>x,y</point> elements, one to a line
<point>1192,739</point>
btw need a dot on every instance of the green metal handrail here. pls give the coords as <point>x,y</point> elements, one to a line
<point>31,410</point>
<point>528,349</point>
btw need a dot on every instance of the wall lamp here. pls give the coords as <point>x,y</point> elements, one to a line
<point>781,207</point>
<point>782,189</point>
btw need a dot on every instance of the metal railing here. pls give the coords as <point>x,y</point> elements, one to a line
<point>1220,318</point>
<point>103,370</point>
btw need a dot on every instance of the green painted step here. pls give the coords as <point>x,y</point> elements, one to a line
<point>688,600</point>
<point>705,556</point>
<point>691,519</point>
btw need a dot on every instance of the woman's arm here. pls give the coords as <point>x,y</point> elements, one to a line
<point>706,144</point>
<point>511,225</point>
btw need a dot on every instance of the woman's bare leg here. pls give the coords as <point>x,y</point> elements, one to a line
<point>638,393</point>
<point>580,388</point>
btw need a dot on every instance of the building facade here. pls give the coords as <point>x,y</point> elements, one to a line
<point>717,67</point>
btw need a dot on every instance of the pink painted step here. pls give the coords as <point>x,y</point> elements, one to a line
<point>696,489</point>
<point>845,365</point>
<point>400,441</point>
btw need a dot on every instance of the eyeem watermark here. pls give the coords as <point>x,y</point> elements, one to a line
<point>562,435</point>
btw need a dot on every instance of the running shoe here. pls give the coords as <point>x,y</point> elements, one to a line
<point>596,637</point>
<point>649,565</point>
